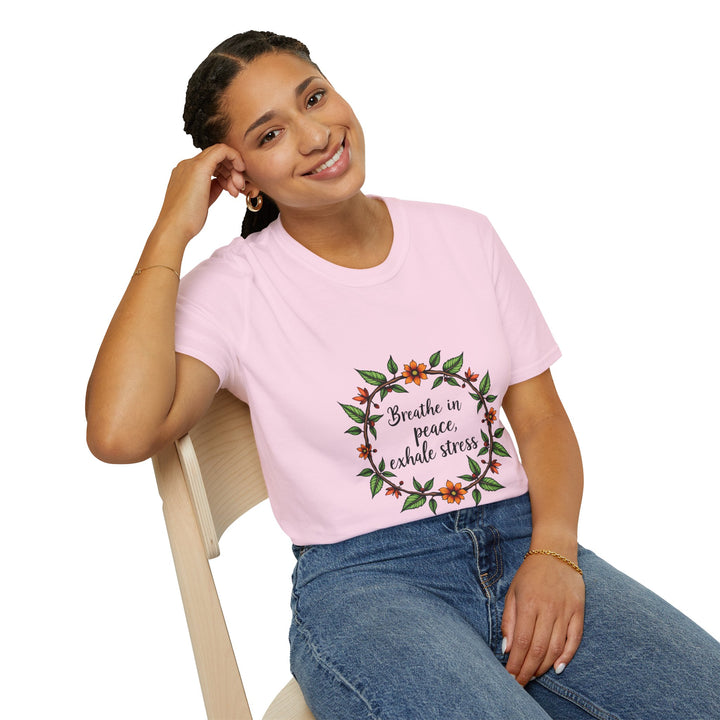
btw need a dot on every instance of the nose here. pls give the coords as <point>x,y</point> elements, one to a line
<point>312,136</point>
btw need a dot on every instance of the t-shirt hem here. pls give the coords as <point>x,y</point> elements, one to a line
<point>326,538</point>
<point>207,359</point>
<point>538,367</point>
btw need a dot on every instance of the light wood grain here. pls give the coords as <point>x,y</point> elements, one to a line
<point>207,480</point>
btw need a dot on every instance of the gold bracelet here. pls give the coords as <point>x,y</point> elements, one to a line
<point>575,567</point>
<point>150,267</point>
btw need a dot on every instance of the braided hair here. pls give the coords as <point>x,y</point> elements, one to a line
<point>205,119</point>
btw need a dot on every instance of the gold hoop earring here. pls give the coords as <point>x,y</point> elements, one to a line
<point>254,206</point>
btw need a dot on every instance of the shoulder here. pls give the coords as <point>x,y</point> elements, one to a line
<point>227,265</point>
<point>435,219</point>
<point>452,214</point>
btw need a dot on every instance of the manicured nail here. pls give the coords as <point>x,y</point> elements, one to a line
<point>560,668</point>
<point>504,646</point>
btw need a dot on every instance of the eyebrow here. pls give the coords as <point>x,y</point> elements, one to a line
<point>265,117</point>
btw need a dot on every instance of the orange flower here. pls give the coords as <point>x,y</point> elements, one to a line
<point>363,397</point>
<point>393,491</point>
<point>414,373</point>
<point>491,416</point>
<point>452,493</point>
<point>364,451</point>
<point>469,374</point>
<point>494,466</point>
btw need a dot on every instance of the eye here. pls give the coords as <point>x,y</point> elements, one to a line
<point>315,98</point>
<point>269,137</point>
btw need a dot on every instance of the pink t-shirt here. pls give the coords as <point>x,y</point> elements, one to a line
<point>375,393</point>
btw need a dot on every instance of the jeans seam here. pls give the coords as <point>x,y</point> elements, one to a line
<point>576,698</point>
<point>330,668</point>
<point>498,557</point>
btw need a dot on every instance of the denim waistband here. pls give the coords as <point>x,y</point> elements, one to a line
<point>511,518</point>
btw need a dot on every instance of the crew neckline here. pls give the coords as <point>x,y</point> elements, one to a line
<point>339,273</point>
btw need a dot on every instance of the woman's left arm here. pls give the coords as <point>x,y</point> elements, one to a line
<point>544,608</point>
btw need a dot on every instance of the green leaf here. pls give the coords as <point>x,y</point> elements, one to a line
<point>453,365</point>
<point>474,396</point>
<point>354,430</point>
<point>429,484</point>
<point>374,418</point>
<point>376,483</point>
<point>433,506</point>
<point>452,381</point>
<point>499,432</point>
<point>381,467</point>
<point>485,438</point>
<point>474,467</point>
<point>476,496</point>
<point>498,449</point>
<point>373,431</point>
<point>488,483</point>
<point>435,359</point>
<point>438,381</point>
<point>398,388</point>
<point>392,366</point>
<point>484,451</point>
<point>366,472</point>
<point>372,377</point>
<point>383,392</point>
<point>484,384</point>
<point>387,473</point>
<point>466,478</point>
<point>480,406</point>
<point>491,398</point>
<point>414,502</point>
<point>417,485</point>
<point>354,413</point>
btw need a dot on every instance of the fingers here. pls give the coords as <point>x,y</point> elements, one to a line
<point>228,169</point>
<point>530,645</point>
<point>508,621</point>
<point>194,186</point>
<point>538,638</point>
<point>223,154</point>
<point>229,180</point>
<point>572,643</point>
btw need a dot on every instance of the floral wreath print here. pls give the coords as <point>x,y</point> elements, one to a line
<point>480,473</point>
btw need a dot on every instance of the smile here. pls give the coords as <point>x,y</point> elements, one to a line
<point>330,162</point>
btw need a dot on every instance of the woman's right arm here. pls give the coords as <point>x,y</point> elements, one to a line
<point>141,394</point>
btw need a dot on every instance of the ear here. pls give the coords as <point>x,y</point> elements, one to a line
<point>251,189</point>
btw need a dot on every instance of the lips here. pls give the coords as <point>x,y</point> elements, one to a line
<point>334,165</point>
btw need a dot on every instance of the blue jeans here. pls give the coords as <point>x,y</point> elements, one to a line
<point>404,624</point>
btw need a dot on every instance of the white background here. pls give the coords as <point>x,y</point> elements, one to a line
<point>587,132</point>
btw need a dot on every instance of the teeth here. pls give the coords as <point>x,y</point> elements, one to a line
<point>331,161</point>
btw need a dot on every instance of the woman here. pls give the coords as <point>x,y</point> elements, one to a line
<point>375,341</point>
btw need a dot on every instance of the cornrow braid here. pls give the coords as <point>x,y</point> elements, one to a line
<point>203,115</point>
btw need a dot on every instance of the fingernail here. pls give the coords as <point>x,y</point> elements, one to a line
<point>504,646</point>
<point>560,668</point>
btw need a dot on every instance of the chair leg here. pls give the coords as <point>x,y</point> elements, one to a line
<point>220,680</point>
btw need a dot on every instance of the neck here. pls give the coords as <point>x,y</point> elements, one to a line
<point>356,233</point>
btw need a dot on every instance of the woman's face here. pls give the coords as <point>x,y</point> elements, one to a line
<point>300,141</point>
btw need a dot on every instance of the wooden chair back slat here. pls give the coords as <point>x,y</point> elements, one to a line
<point>207,479</point>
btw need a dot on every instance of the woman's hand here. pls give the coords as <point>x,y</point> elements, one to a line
<point>543,619</point>
<point>194,186</point>
<point>141,395</point>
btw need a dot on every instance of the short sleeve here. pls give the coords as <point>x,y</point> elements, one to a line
<point>208,317</point>
<point>532,346</point>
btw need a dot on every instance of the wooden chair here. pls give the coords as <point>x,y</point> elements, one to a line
<point>207,479</point>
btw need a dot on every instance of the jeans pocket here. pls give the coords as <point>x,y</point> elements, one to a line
<point>300,551</point>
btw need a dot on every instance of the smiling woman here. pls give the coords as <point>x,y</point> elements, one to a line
<point>435,534</point>
<point>301,128</point>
